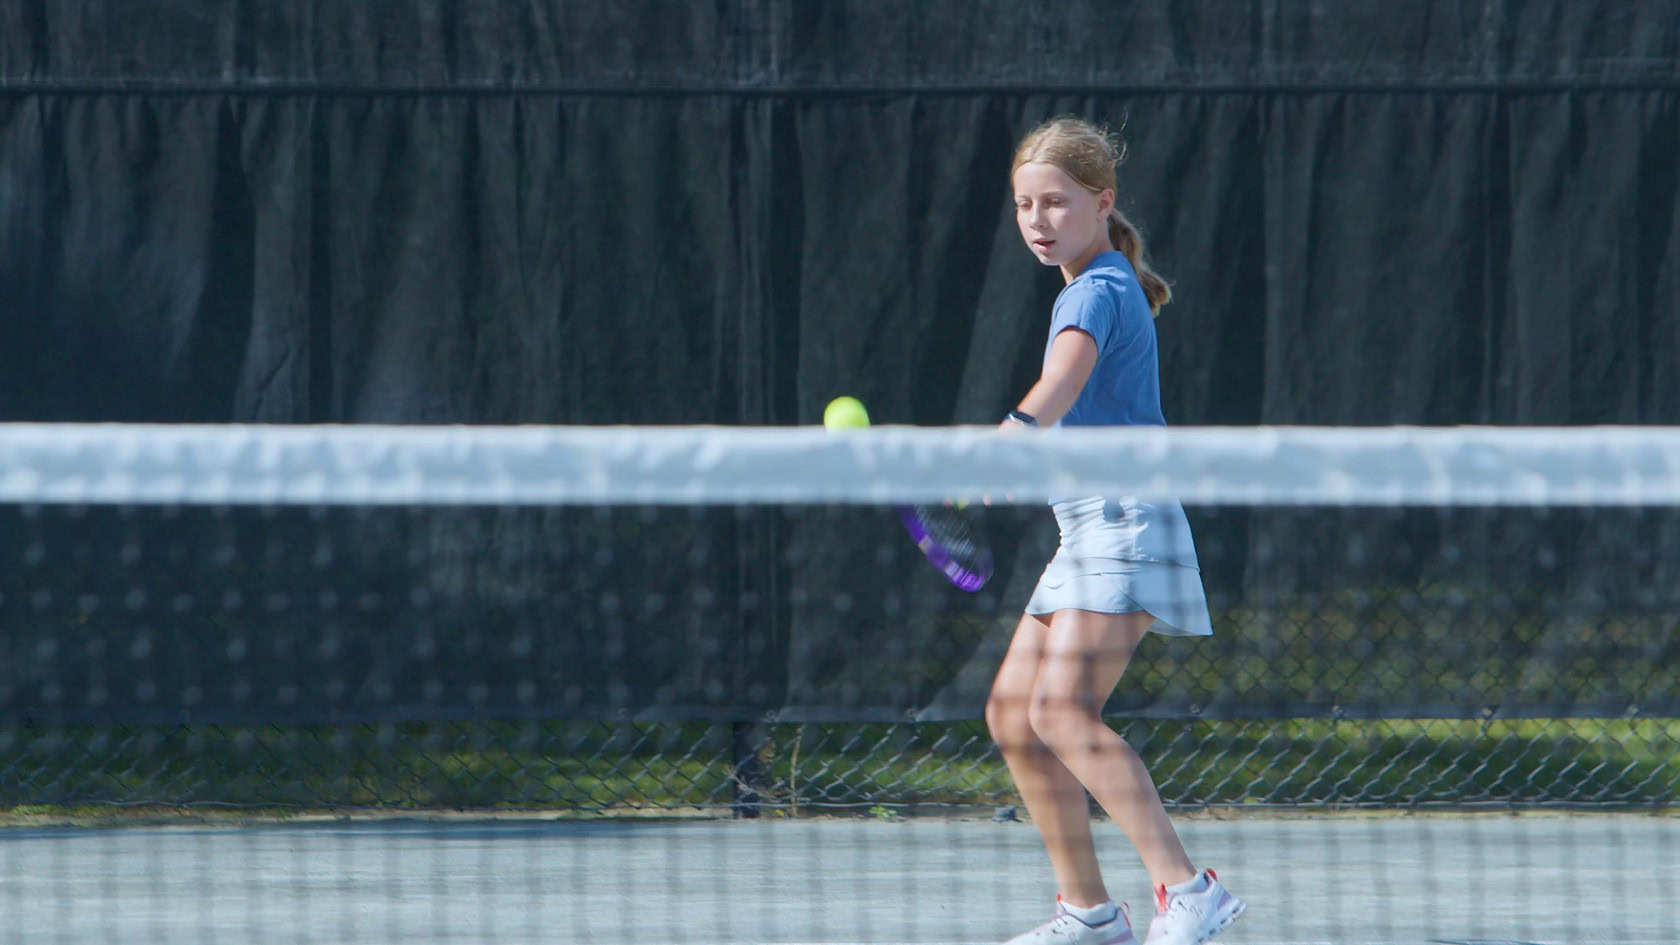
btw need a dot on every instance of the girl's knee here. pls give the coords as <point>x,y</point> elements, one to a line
<point>1060,721</point>
<point>1008,721</point>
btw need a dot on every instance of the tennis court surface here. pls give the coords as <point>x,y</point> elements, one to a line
<point>1405,880</point>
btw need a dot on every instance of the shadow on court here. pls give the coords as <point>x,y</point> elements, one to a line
<point>1482,879</point>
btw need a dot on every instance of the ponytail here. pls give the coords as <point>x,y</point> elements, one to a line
<point>1128,240</point>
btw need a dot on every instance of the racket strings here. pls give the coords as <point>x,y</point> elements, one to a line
<point>947,528</point>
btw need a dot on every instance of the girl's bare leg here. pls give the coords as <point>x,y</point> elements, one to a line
<point>1054,798</point>
<point>1084,655</point>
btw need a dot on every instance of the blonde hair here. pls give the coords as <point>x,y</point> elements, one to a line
<point>1089,155</point>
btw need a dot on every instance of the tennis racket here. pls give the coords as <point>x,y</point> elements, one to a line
<point>943,532</point>
<point>951,541</point>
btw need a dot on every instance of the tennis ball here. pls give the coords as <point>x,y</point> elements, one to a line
<point>845,412</point>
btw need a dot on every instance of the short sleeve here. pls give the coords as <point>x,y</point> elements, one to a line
<point>1085,306</point>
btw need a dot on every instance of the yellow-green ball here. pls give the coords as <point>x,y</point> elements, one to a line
<point>845,413</point>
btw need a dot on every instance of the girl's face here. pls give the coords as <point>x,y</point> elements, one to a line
<point>1061,222</point>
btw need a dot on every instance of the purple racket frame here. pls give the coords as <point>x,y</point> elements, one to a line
<point>966,578</point>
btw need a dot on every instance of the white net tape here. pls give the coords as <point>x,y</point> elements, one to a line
<point>537,465</point>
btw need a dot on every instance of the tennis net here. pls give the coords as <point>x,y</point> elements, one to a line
<point>400,683</point>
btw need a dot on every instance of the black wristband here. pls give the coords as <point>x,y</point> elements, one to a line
<point>1024,419</point>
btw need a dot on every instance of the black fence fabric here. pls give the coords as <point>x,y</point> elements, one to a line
<point>791,46</point>
<point>1431,213</point>
<point>1338,258</point>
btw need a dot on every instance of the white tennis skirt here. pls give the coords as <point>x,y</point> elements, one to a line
<point>1120,556</point>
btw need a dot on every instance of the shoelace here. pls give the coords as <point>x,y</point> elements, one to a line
<point>1178,904</point>
<point>1066,925</point>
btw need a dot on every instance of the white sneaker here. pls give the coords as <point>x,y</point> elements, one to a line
<point>1193,918</point>
<point>1064,929</point>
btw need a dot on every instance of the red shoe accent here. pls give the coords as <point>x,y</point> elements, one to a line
<point>1161,890</point>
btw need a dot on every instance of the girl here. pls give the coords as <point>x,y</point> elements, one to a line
<point>1125,566</point>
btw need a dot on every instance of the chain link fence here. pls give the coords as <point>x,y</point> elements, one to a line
<point>789,769</point>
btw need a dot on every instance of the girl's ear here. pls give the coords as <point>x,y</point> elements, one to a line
<point>1105,201</point>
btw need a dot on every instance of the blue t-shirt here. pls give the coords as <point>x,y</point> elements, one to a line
<point>1106,302</point>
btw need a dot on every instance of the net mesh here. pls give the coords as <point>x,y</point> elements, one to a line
<point>731,625</point>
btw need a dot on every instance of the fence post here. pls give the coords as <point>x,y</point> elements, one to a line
<point>746,773</point>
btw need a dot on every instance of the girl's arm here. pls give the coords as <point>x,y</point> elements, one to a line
<point>1072,357</point>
